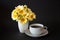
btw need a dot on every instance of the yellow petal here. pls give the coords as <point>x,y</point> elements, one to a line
<point>26,15</point>
<point>33,15</point>
<point>14,12</point>
<point>20,7</point>
<point>14,17</point>
<point>29,10</point>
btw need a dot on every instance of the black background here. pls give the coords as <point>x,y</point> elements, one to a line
<point>48,13</point>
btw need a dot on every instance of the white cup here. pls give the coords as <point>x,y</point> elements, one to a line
<point>36,30</point>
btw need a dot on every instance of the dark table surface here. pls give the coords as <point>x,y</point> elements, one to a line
<point>12,33</point>
<point>47,14</point>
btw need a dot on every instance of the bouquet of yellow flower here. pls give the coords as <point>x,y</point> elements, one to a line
<point>23,14</point>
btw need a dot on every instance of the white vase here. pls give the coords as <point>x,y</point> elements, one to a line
<point>22,27</point>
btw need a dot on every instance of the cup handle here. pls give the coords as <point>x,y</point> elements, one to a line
<point>45,27</point>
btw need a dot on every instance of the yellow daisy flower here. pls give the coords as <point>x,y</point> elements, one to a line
<point>21,12</point>
<point>31,16</point>
<point>23,20</point>
<point>14,14</point>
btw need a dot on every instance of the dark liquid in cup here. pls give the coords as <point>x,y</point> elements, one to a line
<point>36,26</point>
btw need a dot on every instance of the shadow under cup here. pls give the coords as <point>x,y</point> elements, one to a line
<point>36,29</point>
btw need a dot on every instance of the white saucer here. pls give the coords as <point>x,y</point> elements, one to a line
<point>44,32</point>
